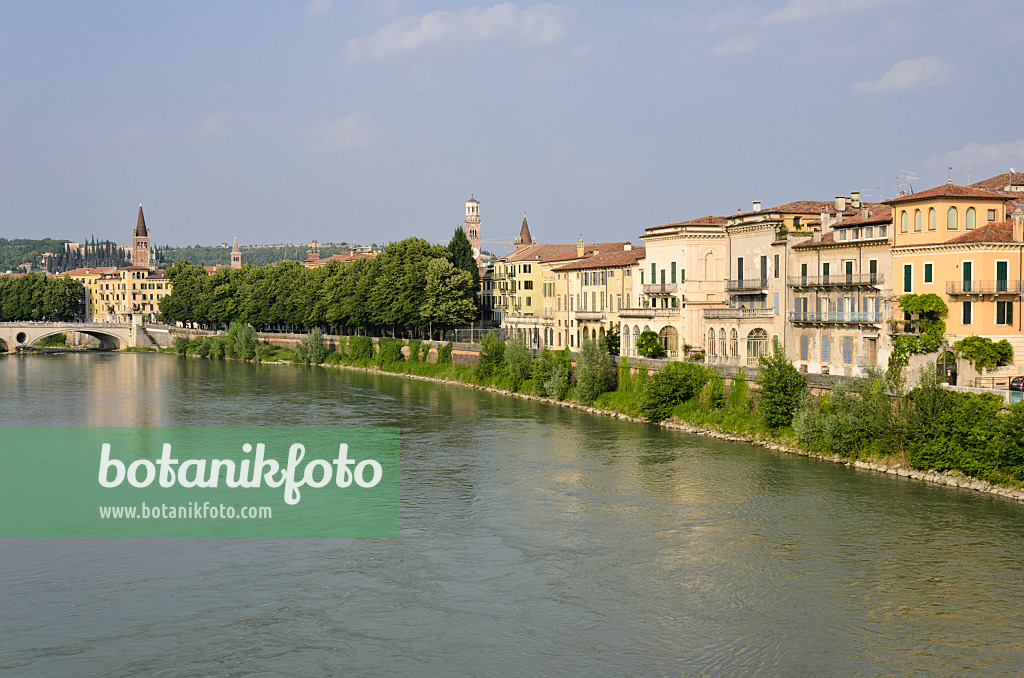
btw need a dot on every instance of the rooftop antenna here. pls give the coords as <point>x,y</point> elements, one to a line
<point>909,178</point>
<point>968,173</point>
<point>949,174</point>
<point>880,181</point>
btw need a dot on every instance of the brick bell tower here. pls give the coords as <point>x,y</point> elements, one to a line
<point>140,242</point>
<point>472,227</point>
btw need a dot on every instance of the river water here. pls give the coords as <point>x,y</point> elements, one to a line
<point>535,540</point>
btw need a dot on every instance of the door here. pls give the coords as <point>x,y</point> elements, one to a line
<point>967,276</point>
<point>872,350</point>
<point>1001,285</point>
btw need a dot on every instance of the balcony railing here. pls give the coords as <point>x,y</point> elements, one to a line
<point>840,280</point>
<point>589,315</point>
<point>746,284</point>
<point>837,317</point>
<point>636,313</point>
<point>737,313</point>
<point>661,288</point>
<point>666,312</point>
<point>962,287</point>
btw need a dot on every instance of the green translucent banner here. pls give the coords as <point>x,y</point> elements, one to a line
<point>199,482</point>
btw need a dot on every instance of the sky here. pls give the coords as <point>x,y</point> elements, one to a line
<point>369,121</point>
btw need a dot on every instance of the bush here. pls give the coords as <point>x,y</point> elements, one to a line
<point>739,396</point>
<point>781,388</point>
<point>360,350</point>
<point>414,350</point>
<point>312,349</point>
<point>333,358</point>
<point>264,351</point>
<point>542,370</point>
<point>444,354</point>
<point>625,380</point>
<point>648,345</point>
<point>714,390</point>
<point>595,371</point>
<point>241,341</point>
<point>389,351</point>
<point>181,344</point>
<point>857,419</point>
<point>984,353</point>
<point>673,384</point>
<point>217,348</point>
<point>518,364</point>
<point>491,362</point>
<point>426,352</point>
<point>557,386</point>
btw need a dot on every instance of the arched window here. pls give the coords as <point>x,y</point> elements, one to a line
<point>757,345</point>
<point>951,219</point>
<point>917,221</point>
<point>734,349</point>
<point>711,342</point>
<point>627,347</point>
<point>709,266</point>
<point>669,339</point>
<point>931,219</point>
<point>903,221</point>
<point>722,347</point>
<point>970,219</point>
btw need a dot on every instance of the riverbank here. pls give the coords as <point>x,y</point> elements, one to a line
<point>894,465</point>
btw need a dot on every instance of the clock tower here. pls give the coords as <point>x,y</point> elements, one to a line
<point>473,225</point>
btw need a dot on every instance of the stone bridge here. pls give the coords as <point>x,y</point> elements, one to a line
<point>109,336</point>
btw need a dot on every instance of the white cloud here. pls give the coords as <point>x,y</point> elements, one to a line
<point>737,44</point>
<point>318,7</point>
<point>538,23</point>
<point>928,71</point>
<point>799,10</point>
<point>350,131</point>
<point>984,160</point>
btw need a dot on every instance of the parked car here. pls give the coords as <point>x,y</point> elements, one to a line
<point>1017,384</point>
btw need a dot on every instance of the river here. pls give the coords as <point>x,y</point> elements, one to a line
<point>535,540</point>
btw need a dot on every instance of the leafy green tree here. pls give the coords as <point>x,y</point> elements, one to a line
<point>312,349</point>
<point>595,371</point>
<point>648,346</point>
<point>491,361</point>
<point>929,309</point>
<point>613,339</point>
<point>519,362</point>
<point>444,354</point>
<point>542,370</point>
<point>781,388</point>
<point>242,341</point>
<point>180,345</point>
<point>671,385</point>
<point>449,295</point>
<point>460,253</point>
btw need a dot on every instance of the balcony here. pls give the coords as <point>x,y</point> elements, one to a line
<point>994,287</point>
<point>667,312</point>
<point>746,285</point>
<point>662,288</point>
<point>636,313</point>
<point>737,313</point>
<point>837,317</point>
<point>590,315</point>
<point>841,280</point>
<point>522,319</point>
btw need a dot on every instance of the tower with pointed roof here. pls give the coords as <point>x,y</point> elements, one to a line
<point>140,242</point>
<point>236,256</point>
<point>525,239</point>
<point>473,225</point>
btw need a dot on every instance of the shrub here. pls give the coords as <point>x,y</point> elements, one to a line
<point>414,350</point>
<point>984,353</point>
<point>647,345</point>
<point>426,352</point>
<point>180,345</point>
<point>542,370</point>
<point>625,382</point>
<point>263,351</point>
<point>714,390</point>
<point>241,341</point>
<point>333,358</point>
<point>492,356</point>
<point>782,388</point>
<point>518,364</point>
<point>217,349</point>
<point>444,354</point>
<point>739,397</point>
<point>389,351</point>
<point>312,349</point>
<point>595,371</point>
<point>674,383</point>
<point>360,350</point>
<point>856,419</point>
<point>557,386</point>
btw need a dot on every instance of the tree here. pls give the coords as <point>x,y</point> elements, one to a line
<point>648,346</point>
<point>519,360</point>
<point>596,372</point>
<point>491,360</point>
<point>448,300</point>
<point>313,349</point>
<point>613,340</point>
<point>782,388</point>
<point>461,253</point>
<point>674,383</point>
<point>984,353</point>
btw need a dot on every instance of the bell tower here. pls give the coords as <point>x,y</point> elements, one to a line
<point>140,242</point>
<point>236,255</point>
<point>473,225</point>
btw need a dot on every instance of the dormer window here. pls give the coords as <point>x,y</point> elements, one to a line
<point>855,235</point>
<point>991,215</point>
<point>869,232</point>
<point>842,233</point>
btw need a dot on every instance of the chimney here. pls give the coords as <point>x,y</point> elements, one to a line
<point>627,247</point>
<point>855,199</point>
<point>579,248</point>
<point>840,204</point>
<point>816,236</point>
<point>757,206</point>
<point>1018,224</point>
<point>864,213</point>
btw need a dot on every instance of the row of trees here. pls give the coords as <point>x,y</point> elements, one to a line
<point>91,254</point>
<point>39,297</point>
<point>411,285</point>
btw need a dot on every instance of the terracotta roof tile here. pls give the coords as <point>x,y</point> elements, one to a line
<point>994,232</point>
<point>1000,182</point>
<point>558,252</point>
<point>609,260</point>
<point>92,270</point>
<point>947,191</point>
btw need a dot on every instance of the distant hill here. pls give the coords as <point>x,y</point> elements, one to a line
<point>15,252</point>
<point>257,256</point>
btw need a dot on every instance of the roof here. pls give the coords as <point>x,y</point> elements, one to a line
<point>524,234</point>
<point>1000,181</point>
<point>794,207</point>
<point>877,213</point>
<point>140,225</point>
<point>558,252</point>
<point>994,232</point>
<point>348,256</point>
<point>608,260</point>
<point>472,199</point>
<point>947,190</point>
<point>92,270</point>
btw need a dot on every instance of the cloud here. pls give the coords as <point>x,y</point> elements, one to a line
<point>928,71</point>
<point>737,44</point>
<point>800,10</point>
<point>538,23</point>
<point>350,131</point>
<point>318,7</point>
<point>984,160</point>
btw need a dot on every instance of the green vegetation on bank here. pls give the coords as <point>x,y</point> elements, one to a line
<point>53,341</point>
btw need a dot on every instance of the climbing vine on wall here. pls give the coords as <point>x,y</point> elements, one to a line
<point>985,353</point>
<point>929,309</point>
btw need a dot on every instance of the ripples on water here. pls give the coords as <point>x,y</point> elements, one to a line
<point>535,540</point>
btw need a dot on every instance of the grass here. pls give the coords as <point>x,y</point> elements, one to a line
<point>52,341</point>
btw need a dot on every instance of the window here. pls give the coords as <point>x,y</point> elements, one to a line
<point>776,268</point>
<point>966,315</point>
<point>776,303</point>
<point>804,346</point>
<point>673,272</point>
<point>883,231</point>
<point>903,221</point>
<point>711,341</point>
<point>825,270</point>
<point>869,232</point>
<point>654,272</point>
<point>1004,313</point>
<point>847,350</point>
<point>825,357</point>
<point>991,215</point>
<point>873,270</point>
<point>928,273</point>
<point>842,233</point>
<point>734,344</point>
<point>1001,273</point>
<point>917,221</point>
<point>951,219</point>
<point>931,219</point>
<point>529,301</point>
<point>908,277</point>
<point>969,219</point>
<point>527,284</point>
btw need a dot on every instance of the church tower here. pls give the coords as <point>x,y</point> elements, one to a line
<point>525,239</point>
<point>236,256</point>
<point>140,242</point>
<point>473,225</point>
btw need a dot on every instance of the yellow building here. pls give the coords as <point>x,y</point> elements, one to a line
<point>90,278</point>
<point>966,245</point>
<point>131,291</point>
